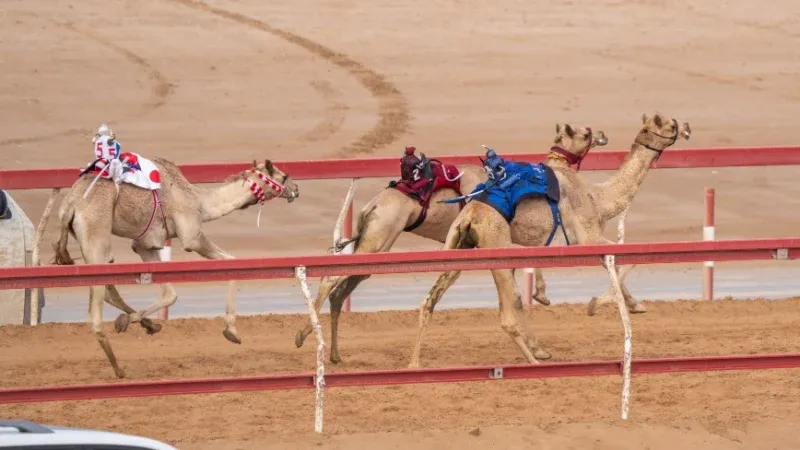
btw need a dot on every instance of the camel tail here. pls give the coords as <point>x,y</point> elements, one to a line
<point>460,236</point>
<point>340,244</point>
<point>361,225</point>
<point>62,256</point>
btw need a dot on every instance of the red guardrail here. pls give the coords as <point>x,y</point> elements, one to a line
<point>398,262</point>
<point>389,167</point>
<point>394,377</point>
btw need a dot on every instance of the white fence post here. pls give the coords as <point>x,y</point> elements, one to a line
<point>628,344</point>
<point>319,381</point>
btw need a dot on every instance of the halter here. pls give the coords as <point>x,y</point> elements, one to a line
<point>568,157</point>
<point>258,192</point>
<point>674,139</point>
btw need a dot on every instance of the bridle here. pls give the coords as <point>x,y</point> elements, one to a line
<point>673,139</point>
<point>260,194</point>
<point>258,191</point>
<point>570,158</point>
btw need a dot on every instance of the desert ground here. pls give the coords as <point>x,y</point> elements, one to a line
<point>236,80</point>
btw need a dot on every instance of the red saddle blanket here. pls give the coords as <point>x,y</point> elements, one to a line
<point>423,189</point>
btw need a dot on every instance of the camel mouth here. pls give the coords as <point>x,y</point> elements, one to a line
<point>686,133</point>
<point>601,139</point>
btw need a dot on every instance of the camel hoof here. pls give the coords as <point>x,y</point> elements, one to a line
<point>336,360</point>
<point>542,300</point>
<point>122,322</point>
<point>231,336</point>
<point>592,309</point>
<point>542,355</point>
<point>299,339</point>
<point>119,372</point>
<point>152,328</point>
<point>638,308</point>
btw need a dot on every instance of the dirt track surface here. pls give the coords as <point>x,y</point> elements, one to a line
<point>723,404</point>
<point>235,80</point>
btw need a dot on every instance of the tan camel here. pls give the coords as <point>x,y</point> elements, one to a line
<point>585,209</point>
<point>384,218</point>
<point>149,220</point>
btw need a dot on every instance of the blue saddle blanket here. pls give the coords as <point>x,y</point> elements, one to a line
<point>522,181</point>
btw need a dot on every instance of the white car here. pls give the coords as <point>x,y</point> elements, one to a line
<point>25,435</point>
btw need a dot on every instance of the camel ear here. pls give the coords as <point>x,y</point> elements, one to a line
<point>268,165</point>
<point>657,120</point>
<point>558,128</point>
<point>568,129</point>
<point>255,164</point>
<point>644,118</point>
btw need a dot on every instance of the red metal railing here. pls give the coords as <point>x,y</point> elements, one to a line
<point>398,262</point>
<point>394,377</point>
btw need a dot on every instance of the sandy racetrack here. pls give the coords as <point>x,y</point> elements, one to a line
<point>234,80</point>
<point>725,404</point>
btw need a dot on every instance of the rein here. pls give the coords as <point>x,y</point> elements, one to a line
<point>557,152</point>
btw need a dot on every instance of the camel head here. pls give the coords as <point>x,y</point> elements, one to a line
<point>266,182</point>
<point>286,187</point>
<point>660,131</point>
<point>571,143</point>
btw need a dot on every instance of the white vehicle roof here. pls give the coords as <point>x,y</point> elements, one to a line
<point>22,434</point>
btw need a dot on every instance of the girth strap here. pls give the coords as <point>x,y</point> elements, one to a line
<point>557,222</point>
<point>420,219</point>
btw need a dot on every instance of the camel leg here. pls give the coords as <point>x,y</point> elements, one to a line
<point>96,294</point>
<point>378,233</point>
<point>92,230</point>
<point>114,299</point>
<point>337,299</point>
<point>539,294</point>
<point>209,250</point>
<point>610,295</point>
<point>326,286</point>
<point>443,283</point>
<point>230,332</point>
<point>167,298</point>
<point>510,317</point>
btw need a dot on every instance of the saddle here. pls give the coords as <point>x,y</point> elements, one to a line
<point>5,211</point>
<point>512,182</point>
<point>420,178</point>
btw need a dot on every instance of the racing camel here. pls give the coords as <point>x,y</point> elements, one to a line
<point>415,204</point>
<point>496,220</point>
<point>96,207</point>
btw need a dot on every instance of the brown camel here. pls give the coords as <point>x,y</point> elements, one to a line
<point>135,213</point>
<point>388,214</point>
<point>585,209</point>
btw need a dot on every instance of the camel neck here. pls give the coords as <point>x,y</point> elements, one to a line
<point>556,160</point>
<point>617,193</point>
<point>225,199</point>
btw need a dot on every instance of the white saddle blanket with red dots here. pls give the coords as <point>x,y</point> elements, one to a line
<point>127,167</point>
<point>137,170</point>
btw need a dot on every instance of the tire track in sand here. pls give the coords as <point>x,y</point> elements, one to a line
<point>160,88</point>
<point>392,104</point>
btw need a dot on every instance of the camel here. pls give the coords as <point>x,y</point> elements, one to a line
<point>585,209</point>
<point>149,219</point>
<point>390,213</point>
